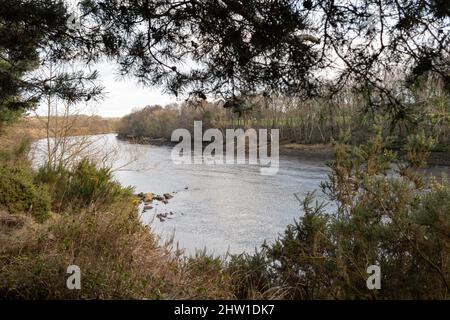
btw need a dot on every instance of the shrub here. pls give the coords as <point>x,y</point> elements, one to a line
<point>400,222</point>
<point>207,277</point>
<point>19,194</point>
<point>118,258</point>
<point>85,185</point>
<point>14,153</point>
<point>250,277</point>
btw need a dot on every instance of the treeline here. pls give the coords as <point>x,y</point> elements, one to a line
<point>426,107</point>
<point>160,122</point>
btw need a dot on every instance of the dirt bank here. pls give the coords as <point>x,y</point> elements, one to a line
<point>316,152</point>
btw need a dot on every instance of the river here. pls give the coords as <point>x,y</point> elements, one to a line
<point>223,208</point>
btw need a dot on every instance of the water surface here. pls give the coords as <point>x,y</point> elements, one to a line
<point>224,208</point>
<point>221,207</point>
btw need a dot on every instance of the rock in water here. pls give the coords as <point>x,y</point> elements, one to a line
<point>141,195</point>
<point>148,197</point>
<point>168,196</point>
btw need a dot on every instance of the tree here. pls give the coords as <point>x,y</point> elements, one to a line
<point>34,34</point>
<point>237,47</point>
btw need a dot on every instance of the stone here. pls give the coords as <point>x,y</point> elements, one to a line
<point>141,195</point>
<point>148,197</point>
<point>168,196</point>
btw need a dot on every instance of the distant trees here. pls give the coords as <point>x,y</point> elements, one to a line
<point>159,122</point>
<point>316,120</point>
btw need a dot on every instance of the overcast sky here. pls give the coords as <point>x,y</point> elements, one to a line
<point>124,95</point>
<point>121,95</point>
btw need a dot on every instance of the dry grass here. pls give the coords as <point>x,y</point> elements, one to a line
<point>35,127</point>
<point>118,257</point>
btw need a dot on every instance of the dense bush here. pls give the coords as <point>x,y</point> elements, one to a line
<point>83,186</point>
<point>119,258</point>
<point>399,222</point>
<point>19,193</point>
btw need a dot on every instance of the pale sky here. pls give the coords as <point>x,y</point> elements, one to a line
<point>121,95</point>
<point>124,95</point>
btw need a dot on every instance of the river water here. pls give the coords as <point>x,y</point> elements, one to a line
<point>223,208</point>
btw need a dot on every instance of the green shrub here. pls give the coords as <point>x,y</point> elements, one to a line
<point>84,185</point>
<point>399,222</point>
<point>250,277</point>
<point>19,194</point>
<point>16,154</point>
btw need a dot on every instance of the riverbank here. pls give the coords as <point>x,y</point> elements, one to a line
<point>36,127</point>
<point>319,152</point>
<point>52,219</point>
<point>313,152</point>
<point>120,258</point>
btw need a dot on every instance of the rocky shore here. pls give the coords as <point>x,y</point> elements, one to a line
<point>148,199</point>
